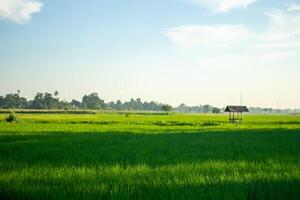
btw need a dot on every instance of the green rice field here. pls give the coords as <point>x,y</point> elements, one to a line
<point>149,156</point>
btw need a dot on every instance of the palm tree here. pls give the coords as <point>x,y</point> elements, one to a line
<point>56,93</point>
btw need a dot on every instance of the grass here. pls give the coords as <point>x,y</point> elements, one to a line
<point>111,156</point>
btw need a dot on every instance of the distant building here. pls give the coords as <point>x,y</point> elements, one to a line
<point>236,113</point>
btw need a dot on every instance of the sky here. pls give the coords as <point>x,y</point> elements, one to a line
<point>170,51</point>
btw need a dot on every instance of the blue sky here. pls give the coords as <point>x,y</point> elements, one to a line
<point>173,51</point>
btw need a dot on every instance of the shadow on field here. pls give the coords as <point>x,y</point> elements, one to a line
<point>93,149</point>
<point>57,189</point>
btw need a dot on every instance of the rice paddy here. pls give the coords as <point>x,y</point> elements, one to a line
<point>138,156</point>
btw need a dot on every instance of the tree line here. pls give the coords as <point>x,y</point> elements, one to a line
<point>94,102</point>
<point>91,101</point>
<point>198,109</point>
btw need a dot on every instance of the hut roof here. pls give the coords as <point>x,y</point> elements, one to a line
<point>236,109</point>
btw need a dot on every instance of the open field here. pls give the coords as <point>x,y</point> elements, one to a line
<point>135,156</point>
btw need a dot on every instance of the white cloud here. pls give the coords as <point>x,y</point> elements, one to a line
<point>283,30</point>
<point>247,59</point>
<point>240,58</point>
<point>223,5</point>
<point>294,8</point>
<point>19,11</point>
<point>197,35</point>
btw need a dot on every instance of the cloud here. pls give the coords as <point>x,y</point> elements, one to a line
<point>197,35</point>
<point>283,30</point>
<point>294,8</point>
<point>265,55</point>
<point>223,5</point>
<point>19,11</point>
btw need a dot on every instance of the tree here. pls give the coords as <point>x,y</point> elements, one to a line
<point>22,102</point>
<point>13,101</point>
<point>75,104</point>
<point>138,104</point>
<point>110,105</point>
<point>10,101</point>
<point>153,106</point>
<point>44,101</point>
<point>2,102</point>
<point>93,101</point>
<point>48,100</point>
<point>119,105</point>
<point>64,105</point>
<point>56,93</point>
<point>166,107</point>
<point>56,102</point>
<point>216,110</point>
<point>38,101</point>
<point>206,108</point>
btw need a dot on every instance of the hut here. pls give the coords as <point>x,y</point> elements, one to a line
<point>236,113</point>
